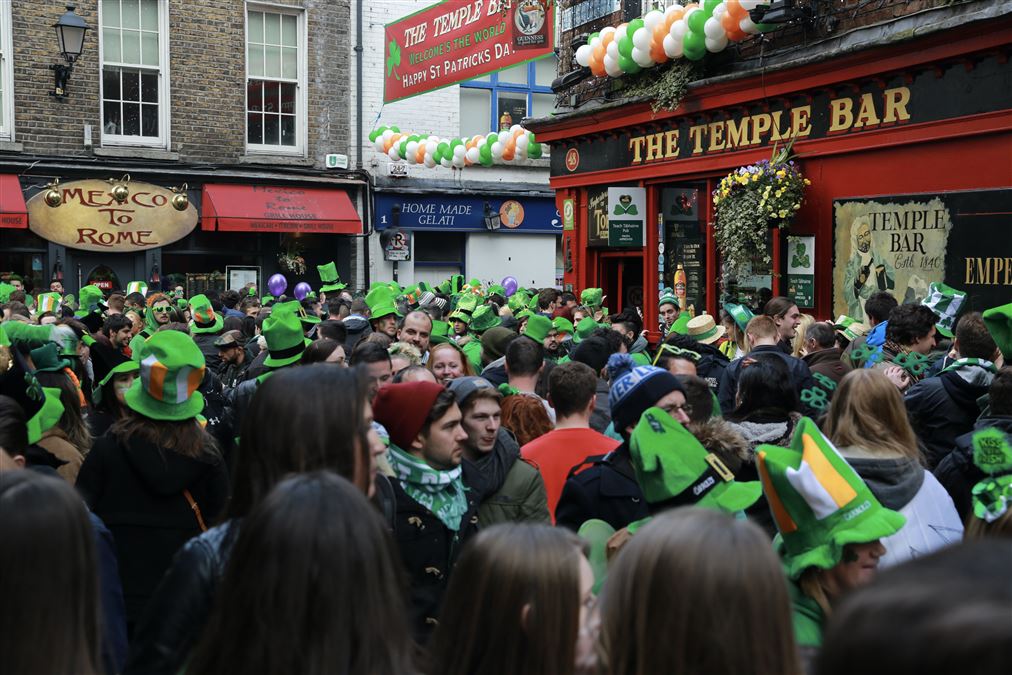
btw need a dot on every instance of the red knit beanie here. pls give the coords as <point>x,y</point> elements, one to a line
<point>403,408</point>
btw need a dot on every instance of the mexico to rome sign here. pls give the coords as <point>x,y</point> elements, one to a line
<point>457,40</point>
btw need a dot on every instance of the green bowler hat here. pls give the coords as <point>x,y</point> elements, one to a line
<point>585,328</point>
<point>285,339</point>
<point>203,317</point>
<point>563,325</point>
<point>740,313</point>
<point>170,373</point>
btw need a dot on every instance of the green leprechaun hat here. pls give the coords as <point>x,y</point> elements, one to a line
<point>584,329</point>
<point>999,324</point>
<point>136,287</point>
<point>592,297</point>
<point>740,313</point>
<point>170,373</point>
<point>992,454</point>
<point>818,502</point>
<point>681,324</point>
<point>91,301</point>
<point>440,332</point>
<point>537,328</point>
<point>466,304</point>
<point>667,298</point>
<point>47,417</point>
<point>47,359</point>
<point>517,301</point>
<point>203,317</point>
<point>496,289</point>
<point>850,328</point>
<point>533,304</point>
<point>381,302</point>
<point>285,339</point>
<point>946,302</point>
<point>5,291</point>
<point>295,307</point>
<point>47,302</point>
<point>484,318</point>
<point>329,278</point>
<point>674,469</point>
<point>563,325</point>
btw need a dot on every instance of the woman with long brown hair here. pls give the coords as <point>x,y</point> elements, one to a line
<point>697,591</point>
<point>69,440</point>
<point>447,361</point>
<point>868,423</point>
<point>517,602</point>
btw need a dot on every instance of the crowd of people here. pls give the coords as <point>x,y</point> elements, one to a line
<point>456,480</point>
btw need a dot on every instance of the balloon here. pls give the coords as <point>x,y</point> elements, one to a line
<point>611,66</point>
<point>611,51</point>
<point>597,67</point>
<point>652,19</point>
<point>672,47</point>
<point>473,155</point>
<point>657,51</point>
<point>392,154</point>
<point>504,136</point>
<point>696,54</point>
<point>710,5</point>
<point>497,149</point>
<point>713,29</point>
<point>625,47</point>
<point>697,20</point>
<point>678,30</point>
<point>716,44</point>
<point>277,285</point>
<point>583,55</point>
<point>734,8</point>
<point>641,39</point>
<point>695,43</point>
<point>509,154</point>
<point>379,145</point>
<point>374,134</point>
<point>510,285</point>
<point>598,53</point>
<point>534,150</point>
<point>387,133</point>
<point>302,289</point>
<point>642,58</point>
<point>748,26</point>
<point>621,31</point>
<point>486,160</point>
<point>522,142</point>
<point>430,161</point>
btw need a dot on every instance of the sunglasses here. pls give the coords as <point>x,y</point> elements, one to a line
<point>161,310</point>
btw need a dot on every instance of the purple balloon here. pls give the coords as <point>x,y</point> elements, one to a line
<point>302,289</point>
<point>510,285</point>
<point>277,285</point>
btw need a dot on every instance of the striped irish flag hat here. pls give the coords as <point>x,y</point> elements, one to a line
<point>946,302</point>
<point>47,302</point>
<point>171,369</point>
<point>818,501</point>
<point>137,287</point>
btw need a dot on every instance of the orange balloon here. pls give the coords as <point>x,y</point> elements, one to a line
<point>420,155</point>
<point>673,17</point>
<point>659,32</point>
<point>597,67</point>
<point>508,154</point>
<point>691,5</point>
<point>658,54</point>
<point>598,53</point>
<point>735,9</point>
<point>737,35</point>
<point>606,40</point>
<point>729,23</point>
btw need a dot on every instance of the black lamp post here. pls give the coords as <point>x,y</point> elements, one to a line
<point>70,32</point>
<point>492,218</point>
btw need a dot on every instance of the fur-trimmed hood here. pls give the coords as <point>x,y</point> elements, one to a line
<point>722,439</point>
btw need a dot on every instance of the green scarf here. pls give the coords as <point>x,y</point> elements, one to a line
<point>441,492</point>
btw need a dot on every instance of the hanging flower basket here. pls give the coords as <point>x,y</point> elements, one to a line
<point>748,202</point>
<point>291,259</point>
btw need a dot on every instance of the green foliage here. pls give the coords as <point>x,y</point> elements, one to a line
<point>665,86</point>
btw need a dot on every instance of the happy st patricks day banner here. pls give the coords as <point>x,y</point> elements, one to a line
<point>457,40</point>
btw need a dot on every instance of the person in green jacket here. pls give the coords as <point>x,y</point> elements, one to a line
<point>157,314</point>
<point>829,527</point>
<point>515,490</point>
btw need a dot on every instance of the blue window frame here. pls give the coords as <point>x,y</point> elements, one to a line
<point>520,91</point>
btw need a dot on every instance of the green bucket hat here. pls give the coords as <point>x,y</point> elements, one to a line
<point>285,339</point>
<point>329,278</point>
<point>91,301</point>
<point>850,328</point>
<point>563,325</point>
<point>818,501</point>
<point>674,469</point>
<point>667,298</point>
<point>47,417</point>
<point>484,318</point>
<point>136,287</point>
<point>681,324</point>
<point>537,328</point>
<point>740,313</point>
<point>47,302</point>
<point>999,323</point>
<point>946,302</point>
<point>592,297</point>
<point>170,373</point>
<point>381,302</point>
<point>203,317</point>
<point>992,454</point>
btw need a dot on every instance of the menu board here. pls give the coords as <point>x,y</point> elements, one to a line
<point>597,217</point>
<point>685,243</point>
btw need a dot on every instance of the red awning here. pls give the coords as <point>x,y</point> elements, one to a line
<point>268,208</point>
<point>13,213</point>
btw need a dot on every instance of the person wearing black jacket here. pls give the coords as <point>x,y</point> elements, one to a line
<point>711,363</point>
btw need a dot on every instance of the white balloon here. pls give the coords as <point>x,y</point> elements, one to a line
<point>749,5</point>
<point>429,161</point>
<point>716,44</point>
<point>621,32</point>
<point>672,47</point>
<point>641,39</point>
<point>515,128</point>
<point>393,154</point>
<point>445,162</point>
<point>611,67</point>
<point>411,148</point>
<point>387,134</point>
<point>652,19</point>
<point>379,144</point>
<point>671,9</point>
<point>678,30</point>
<point>719,10</point>
<point>434,138</point>
<point>519,154</point>
<point>607,30</point>
<point>748,26</point>
<point>713,29</point>
<point>504,136</point>
<point>430,146</point>
<point>583,55</point>
<point>472,155</point>
<point>522,141</point>
<point>458,162</point>
<point>595,42</point>
<point>459,151</point>
<point>611,51</point>
<point>642,58</point>
<point>497,149</point>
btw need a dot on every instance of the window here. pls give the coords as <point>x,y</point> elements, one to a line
<point>504,98</point>
<point>135,72</point>
<point>6,75</point>
<point>275,82</point>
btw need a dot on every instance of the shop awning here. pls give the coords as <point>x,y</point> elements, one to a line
<point>13,213</point>
<point>268,208</point>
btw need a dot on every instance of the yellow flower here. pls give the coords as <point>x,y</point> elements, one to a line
<point>782,214</point>
<point>808,182</point>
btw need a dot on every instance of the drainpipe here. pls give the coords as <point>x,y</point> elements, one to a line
<point>367,198</point>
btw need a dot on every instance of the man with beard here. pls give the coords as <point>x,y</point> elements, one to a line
<point>867,271</point>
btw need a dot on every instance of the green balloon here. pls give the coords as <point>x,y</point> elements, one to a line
<point>634,26</point>
<point>697,21</point>
<point>486,159</point>
<point>710,5</point>
<point>694,42</point>
<point>534,149</point>
<point>530,136</point>
<point>694,54</point>
<point>402,148</point>
<point>625,47</point>
<point>396,130</point>
<point>628,66</point>
<point>592,36</point>
<point>443,149</point>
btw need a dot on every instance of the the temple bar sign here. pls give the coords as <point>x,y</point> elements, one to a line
<point>844,109</point>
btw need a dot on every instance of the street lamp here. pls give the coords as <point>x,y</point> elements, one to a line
<point>70,32</point>
<point>492,218</point>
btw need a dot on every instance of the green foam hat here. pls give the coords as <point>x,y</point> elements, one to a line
<point>674,469</point>
<point>946,302</point>
<point>466,304</point>
<point>517,301</point>
<point>48,302</point>
<point>295,307</point>
<point>171,371</point>
<point>47,417</point>
<point>592,297</point>
<point>667,298</point>
<point>136,287</point>
<point>70,301</point>
<point>267,301</point>
<point>484,318</point>
<point>818,502</point>
<point>563,325</point>
<point>47,359</point>
<point>381,302</point>
<point>329,278</point>
<point>440,332</point>
<point>740,313</point>
<point>585,328</point>
<point>999,323</point>
<point>496,289</point>
<point>285,339</point>
<point>533,304</point>
<point>681,324</point>
<point>203,318</point>
<point>5,291</point>
<point>850,328</point>
<point>992,454</point>
<point>91,300</point>
<point>537,328</point>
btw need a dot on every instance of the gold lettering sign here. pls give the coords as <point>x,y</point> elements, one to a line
<point>91,219</point>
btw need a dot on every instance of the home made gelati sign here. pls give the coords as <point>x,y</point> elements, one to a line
<point>90,219</point>
<point>458,40</point>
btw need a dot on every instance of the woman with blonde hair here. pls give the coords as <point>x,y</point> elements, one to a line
<point>447,361</point>
<point>868,423</point>
<point>534,590</point>
<point>697,591</point>
<point>798,343</point>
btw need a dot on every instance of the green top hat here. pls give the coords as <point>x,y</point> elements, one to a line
<point>91,300</point>
<point>585,328</point>
<point>563,325</point>
<point>285,339</point>
<point>295,307</point>
<point>674,469</point>
<point>329,279</point>
<point>466,304</point>
<point>999,323</point>
<point>523,314</point>
<point>740,313</point>
<point>517,301</point>
<point>47,359</point>
<point>946,302</point>
<point>47,417</point>
<point>484,318</point>
<point>170,373</point>
<point>203,317</point>
<point>48,302</point>
<point>681,324</point>
<point>537,328</point>
<point>592,297</point>
<point>667,298</point>
<point>5,291</point>
<point>136,287</point>
<point>440,332</point>
<point>381,302</point>
<point>818,501</point>
<point>992,454</point>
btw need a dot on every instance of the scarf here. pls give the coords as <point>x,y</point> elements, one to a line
<point>496,464</point>
<point>978,372</point>
<point>441,492</point>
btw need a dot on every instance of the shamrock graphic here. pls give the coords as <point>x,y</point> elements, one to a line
<point>913,363</point>
<point>826,383</point>
<point>814,397</point>
<point>393,58</point>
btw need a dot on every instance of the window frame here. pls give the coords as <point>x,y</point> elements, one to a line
<point>494,87</point>
<point>7,72</point>
<point>164,138</point>
<point>301,147</point>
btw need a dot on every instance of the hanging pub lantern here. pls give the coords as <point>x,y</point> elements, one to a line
<point>179,200</point>
<point>53,197</point>
<point>119,190</point>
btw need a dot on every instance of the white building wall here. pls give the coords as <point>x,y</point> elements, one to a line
<point>528,257</point>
